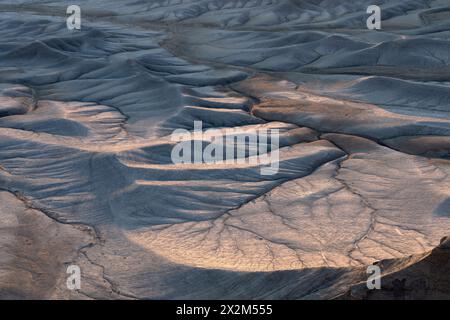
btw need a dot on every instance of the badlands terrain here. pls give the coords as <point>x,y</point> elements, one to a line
<point>86,176</point>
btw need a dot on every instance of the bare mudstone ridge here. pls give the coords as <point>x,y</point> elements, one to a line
<point>87,179</point>
<point>422,276</point>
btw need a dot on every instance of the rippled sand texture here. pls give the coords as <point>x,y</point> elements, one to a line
<point>86,176</point>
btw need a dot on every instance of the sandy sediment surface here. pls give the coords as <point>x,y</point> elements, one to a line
<point>87,179</point>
